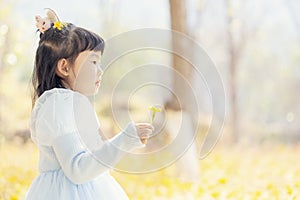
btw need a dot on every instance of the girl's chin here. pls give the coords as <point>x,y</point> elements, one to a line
<point>90,92</point>
<point>89,88</point>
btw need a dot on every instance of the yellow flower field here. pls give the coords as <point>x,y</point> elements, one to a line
<point>227,173</point>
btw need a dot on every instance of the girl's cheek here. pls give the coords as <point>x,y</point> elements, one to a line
<point>86,78</point>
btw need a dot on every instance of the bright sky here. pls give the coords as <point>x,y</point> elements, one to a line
<point>130,14</point>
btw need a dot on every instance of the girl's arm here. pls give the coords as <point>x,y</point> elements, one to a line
<point>81,166</point>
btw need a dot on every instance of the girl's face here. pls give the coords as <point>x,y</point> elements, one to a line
<point>87,73</point>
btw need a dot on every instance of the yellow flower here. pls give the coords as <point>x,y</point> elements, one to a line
<point>154,110</point>
<point>58,25</point>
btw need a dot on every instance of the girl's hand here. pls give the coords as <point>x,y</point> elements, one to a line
<point>144,130</point>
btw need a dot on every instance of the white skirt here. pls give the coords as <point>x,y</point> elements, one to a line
<point>54,185</point>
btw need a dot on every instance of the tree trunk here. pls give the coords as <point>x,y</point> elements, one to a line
<point>233,90</point>
<point>233,58</point>
<point>188,165</point>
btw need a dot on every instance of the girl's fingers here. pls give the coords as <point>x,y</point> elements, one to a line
<point>144,138</point>
<point>144,125</point>
<point>144,141</point>
<point>145,131</point>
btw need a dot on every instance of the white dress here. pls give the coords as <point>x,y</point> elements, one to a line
<point>74,160</point>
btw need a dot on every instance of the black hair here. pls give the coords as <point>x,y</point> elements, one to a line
<point>54,45</point>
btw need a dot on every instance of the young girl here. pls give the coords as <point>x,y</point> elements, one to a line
<point>67,71</point>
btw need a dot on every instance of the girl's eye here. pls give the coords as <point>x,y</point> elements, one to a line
<point>94,62</point>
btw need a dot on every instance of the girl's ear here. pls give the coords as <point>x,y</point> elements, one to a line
<point>62,69</point>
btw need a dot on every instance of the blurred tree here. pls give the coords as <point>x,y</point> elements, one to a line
<point>15,60</point>
<point>5,9</point>
<point>234,53</point>
<point>237,37</point>
<point>188,164</point>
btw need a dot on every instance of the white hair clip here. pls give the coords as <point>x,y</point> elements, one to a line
<point>51,20</point>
